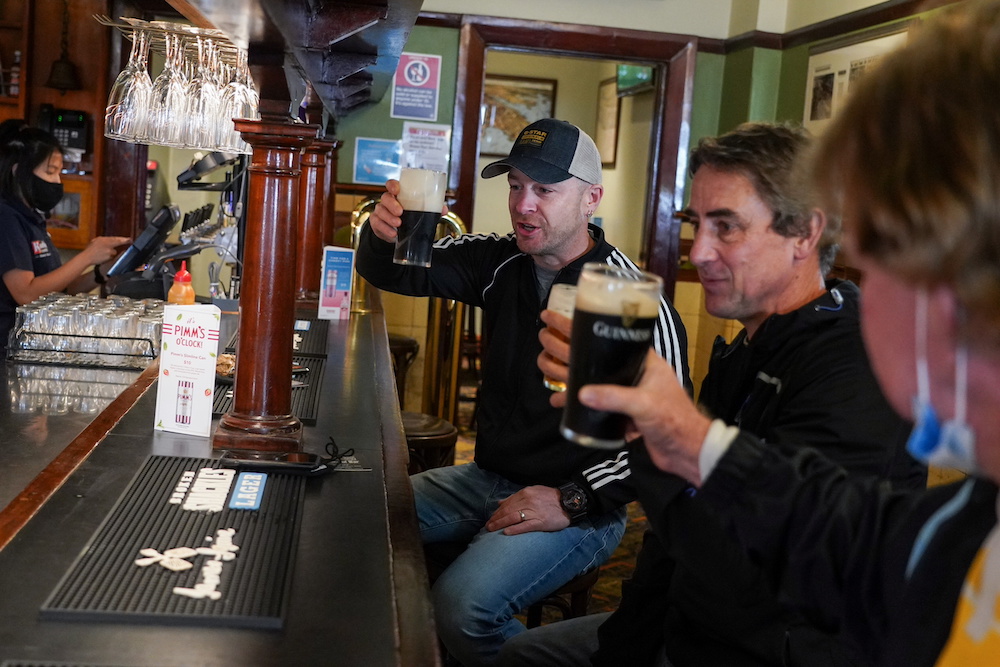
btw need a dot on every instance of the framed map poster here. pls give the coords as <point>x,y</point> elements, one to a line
<point>511,103</point>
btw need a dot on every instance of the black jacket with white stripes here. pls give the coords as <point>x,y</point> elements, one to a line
<point>518,431</point>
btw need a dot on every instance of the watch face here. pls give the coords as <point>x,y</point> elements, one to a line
<point>574,500</point>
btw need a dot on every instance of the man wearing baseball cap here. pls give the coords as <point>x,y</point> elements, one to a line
<point>534,509</point>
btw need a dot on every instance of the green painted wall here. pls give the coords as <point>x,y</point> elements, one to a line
<point>750,84</point>
<point>374,120</point>
<point>750,87</point>
<point>737,87</point>
<point>792,84</point>
<point>766,78</point>
<point>707,98</point>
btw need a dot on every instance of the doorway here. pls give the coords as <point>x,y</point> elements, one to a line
<point>673,58</point>
<point>576,85</point>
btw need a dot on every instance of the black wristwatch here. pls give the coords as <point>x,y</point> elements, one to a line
<point>574,501</point>
<point>98,276</point>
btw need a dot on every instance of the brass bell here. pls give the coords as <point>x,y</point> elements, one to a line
<point>63,75</point>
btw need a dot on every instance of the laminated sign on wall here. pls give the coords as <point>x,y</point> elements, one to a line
<point>186,384</point>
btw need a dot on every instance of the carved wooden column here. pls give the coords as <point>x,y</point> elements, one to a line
<point>261,416</point>
<point>314,200</point>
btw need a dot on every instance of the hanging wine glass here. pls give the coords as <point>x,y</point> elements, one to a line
<point>127,112</point>
<point>168,104</point>
<point>239,100</point>
<point>203,96</point>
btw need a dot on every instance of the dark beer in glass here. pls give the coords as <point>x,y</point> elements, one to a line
<point>613,323</point>
<point>421,194</point>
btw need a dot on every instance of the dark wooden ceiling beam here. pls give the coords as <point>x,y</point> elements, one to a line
<point>340,22</point>
<point>347,50</point>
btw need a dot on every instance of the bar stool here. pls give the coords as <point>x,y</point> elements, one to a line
<point>578,589</point>
<point>404,350</point>
<point>429,439</point>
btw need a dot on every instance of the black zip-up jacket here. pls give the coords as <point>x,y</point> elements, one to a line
<point>518,431</point>
<point>886,567</point>
<point>804,379</point>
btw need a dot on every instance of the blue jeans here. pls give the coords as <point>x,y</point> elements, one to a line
<point>498,575</point>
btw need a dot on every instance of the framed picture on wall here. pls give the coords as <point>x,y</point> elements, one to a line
<point>837,65</point>
<point>511,103</point>
<point>608,114</point>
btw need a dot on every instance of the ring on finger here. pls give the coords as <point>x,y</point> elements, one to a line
<point>521,513</point>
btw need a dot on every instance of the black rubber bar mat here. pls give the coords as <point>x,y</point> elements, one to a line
<point>308,337</point>
<point>305,397</point>
<point>189,543</point>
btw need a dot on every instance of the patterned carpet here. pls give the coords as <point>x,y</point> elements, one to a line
<point>607,591</point>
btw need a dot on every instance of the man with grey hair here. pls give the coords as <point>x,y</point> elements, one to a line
<point>796,375</point>
<point>533,509</point>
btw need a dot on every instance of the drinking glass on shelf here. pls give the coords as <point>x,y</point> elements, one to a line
<point>148,329</point>
<point>128,103</point>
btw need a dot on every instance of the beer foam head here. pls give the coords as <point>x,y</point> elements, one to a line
<point>422,189</point>
<point>562,299</point>
<point>609,290</point>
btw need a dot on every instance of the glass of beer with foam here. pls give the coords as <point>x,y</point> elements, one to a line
<point>613,322</point>
<point>421,193</point>
<point>562,300</point>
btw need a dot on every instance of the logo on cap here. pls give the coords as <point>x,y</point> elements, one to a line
<point>533,138</point>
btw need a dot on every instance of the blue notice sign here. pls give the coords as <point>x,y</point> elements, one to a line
<point>376,160</point>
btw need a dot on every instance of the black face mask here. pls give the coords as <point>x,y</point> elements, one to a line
<point>41,194</point>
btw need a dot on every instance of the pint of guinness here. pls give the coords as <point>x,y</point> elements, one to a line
<point>421,193</point>
<point>616,312</point>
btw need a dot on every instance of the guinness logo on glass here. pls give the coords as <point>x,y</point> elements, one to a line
<point>630,313</point>
<point>608,332</point>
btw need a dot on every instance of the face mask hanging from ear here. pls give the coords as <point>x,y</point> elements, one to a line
<point>952,444</point>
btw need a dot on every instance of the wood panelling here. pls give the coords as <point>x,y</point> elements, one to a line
<point>89,48</point>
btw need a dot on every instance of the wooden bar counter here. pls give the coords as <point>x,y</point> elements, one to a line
<point>358,590</point>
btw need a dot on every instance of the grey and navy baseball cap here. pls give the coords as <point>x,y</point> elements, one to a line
<point>550,151</point>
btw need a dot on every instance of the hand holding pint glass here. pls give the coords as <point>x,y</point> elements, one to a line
<point>421,194</point>
<point>613,323</point>
<point>562,300</point>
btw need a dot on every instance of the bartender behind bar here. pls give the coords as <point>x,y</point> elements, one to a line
<point>31,162</point>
